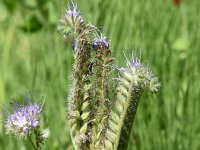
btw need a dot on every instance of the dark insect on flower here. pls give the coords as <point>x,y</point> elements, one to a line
<point>24,119</point>
<point>177,2</point>
<point>73,44</point>
<point>89,70</point>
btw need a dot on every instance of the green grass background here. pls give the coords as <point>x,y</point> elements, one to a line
<point>35,57</point>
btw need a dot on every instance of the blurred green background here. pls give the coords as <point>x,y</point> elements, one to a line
<point>35,57</point>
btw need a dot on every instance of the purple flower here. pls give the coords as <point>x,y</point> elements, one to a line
<point>100,42</point>
<point>73,12</point>
<point>139,74</point>
<point>73,24</point>
<point>24,119</point>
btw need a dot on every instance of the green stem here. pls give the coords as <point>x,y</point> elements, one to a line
<point>32,142</point>
<point>126,129</point>
<point>127,118</point>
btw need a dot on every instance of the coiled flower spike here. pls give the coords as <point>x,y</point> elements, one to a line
<point>142,75</point>
<point>134,80</point>
<point>94,122</point>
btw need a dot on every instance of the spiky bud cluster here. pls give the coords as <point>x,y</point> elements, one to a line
<point>73,24</point>
<point>140,74</point>
<point>95,123</point>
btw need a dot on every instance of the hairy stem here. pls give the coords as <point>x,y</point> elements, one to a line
<point>78,114</point>
<point>127,121</point>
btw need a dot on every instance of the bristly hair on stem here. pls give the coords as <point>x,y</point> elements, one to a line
<point>134,80</point>
<point>95,123</point>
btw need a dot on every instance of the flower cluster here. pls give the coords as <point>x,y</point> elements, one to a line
<point>101,114</point>
<point>100,42</point>
<point>141,75</point>
<point>73,25</point>
<point>23,120</point>
<point>73,12</point>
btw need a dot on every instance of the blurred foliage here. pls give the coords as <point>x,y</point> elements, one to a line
<point>34,56</point>
<point>35,14</point>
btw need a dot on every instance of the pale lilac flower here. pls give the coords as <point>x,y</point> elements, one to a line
<point>100,42</point>
<point>73,24</point>
<point>73,15</point>
<point>74,12</point>
<point>141,75</point>
<point>24,119</point>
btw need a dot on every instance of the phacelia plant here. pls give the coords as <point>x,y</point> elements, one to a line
<point>101,113</point>
<point>24,121</point>
<point>101,108</point>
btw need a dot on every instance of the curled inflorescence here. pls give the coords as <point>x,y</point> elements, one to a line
<point>141,75</point>
<point>101,114</point>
